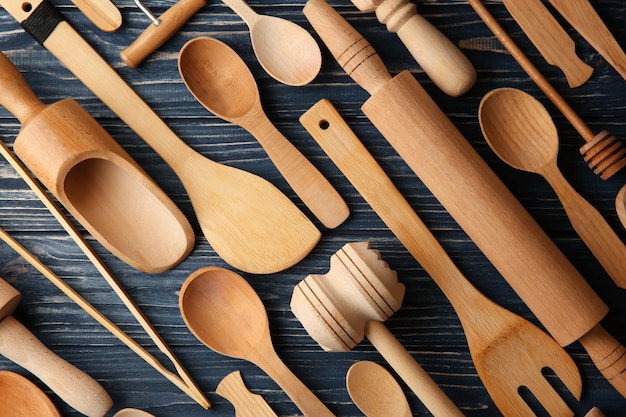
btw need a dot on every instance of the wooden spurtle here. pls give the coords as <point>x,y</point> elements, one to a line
<point>584,18</point>
<point>476,198</point>
<point>553,42</point>
<point>249,222</point>
<point>245,402</point>
<point>102,13</point>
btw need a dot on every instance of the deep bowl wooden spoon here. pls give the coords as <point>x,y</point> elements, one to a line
<point>213,302</point>
<point>520,131</point>
<point>21,398</point>
<point>221,82</point>
<point>375,391</point>
<point>286,51</point>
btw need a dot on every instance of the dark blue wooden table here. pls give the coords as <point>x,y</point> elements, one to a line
<point>426,325</point>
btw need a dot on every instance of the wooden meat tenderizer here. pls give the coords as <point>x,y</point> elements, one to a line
<point>350,302</point>
<point>17,343</point>
<point>161,29</point>
<point>440,59</point>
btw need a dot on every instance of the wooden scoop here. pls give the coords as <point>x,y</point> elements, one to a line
<point>21,398</point>
<point>223,84</point>
<point>213,302</point>
<point>18,344</point>
<point>95,179</point>
<point>248,222</point>
<point>521,132</point>
<point>375,391</point>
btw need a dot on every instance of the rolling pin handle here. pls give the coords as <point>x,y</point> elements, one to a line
<point>609,356</point>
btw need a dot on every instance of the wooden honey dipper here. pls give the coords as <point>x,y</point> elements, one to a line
<point>358,274</point>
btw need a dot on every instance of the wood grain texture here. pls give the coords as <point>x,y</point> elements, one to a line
<point>426,325</point>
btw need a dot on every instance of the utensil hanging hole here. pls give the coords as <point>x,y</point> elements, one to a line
<point>324,124</point>
<point>27,7</point>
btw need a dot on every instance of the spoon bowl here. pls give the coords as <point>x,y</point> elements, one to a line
<point>132,412</point>
<point>21,398</point>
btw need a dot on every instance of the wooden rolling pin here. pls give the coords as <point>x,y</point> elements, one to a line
<point>475,197</point>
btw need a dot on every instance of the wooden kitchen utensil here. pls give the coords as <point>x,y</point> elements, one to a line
<point>286,51</point>
<point>553,42</point>
<point>161,29</point>
<point>248,222</point>
<point>102,13</point>
<point>21,398</point>
<point>220,80</point>
<point>246,403</point>
<point>475,197</point>
<point>213,302</point>
<point>375,391</point>
<point>349,303</point>
<point>95,179</point>
<point>17,343</point>
<point>584,18</point>
<point>440,59</point>
<point>132,412</point>
<point>604,154</point>
<point>521,132</point>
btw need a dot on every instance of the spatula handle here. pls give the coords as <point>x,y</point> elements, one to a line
<point>15,94</point>
<point>74,386</point>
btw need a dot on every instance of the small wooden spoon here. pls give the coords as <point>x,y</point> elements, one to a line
<point>132,412</point>
<point>221,82</point>
<point>285,50</point>
<point>213,302</point>
<point>521,132</point>
<point>375,391</point>
<point>21,398</point>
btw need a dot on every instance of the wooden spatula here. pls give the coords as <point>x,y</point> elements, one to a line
<point>102,13</point>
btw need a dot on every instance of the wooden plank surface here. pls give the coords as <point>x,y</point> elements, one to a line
<point>426,324</point>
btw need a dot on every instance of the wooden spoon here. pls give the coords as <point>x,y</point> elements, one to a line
<point>221,81</point>
<point>285,50</point>
<point>521,132</point>
<point>132,412</point>
<point>375,391</point>
<point>213,302</point>
<point>21,398</point>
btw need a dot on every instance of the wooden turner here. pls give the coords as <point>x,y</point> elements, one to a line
<point>508,351</point>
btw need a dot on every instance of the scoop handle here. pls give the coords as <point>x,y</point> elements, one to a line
<point>75,387</point>
<point>353,52</point>
<point>15,93</point>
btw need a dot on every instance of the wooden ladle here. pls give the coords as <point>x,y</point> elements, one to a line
<point>214,301</point>
<point>521,132</point>
<point>285,50</point>
<point>375,391</point>
<point>21,398</point>
<point>221,82</point>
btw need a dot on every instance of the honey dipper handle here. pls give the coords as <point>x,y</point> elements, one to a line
<point>433,398</point>
<point>71,384</point>
<point>608,355</point>
<point>15,94</point>
<point>355,55</point>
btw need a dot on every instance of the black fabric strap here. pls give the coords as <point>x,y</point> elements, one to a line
<point>42,21</point>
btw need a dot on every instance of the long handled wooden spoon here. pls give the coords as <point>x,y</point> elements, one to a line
<point>375,391</point>
<point>521,132</point>
<point>213,302</point>
<point>222,83</point>
<point>21,398</point>
<point>285,50</point>
<point>248,222</point>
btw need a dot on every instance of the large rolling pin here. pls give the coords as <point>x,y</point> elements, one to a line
<point>475,197</point>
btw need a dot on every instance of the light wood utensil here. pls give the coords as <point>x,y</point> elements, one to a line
<point>246,403</point>
<point>521,132</point>
<point>160,31</point>
<point>17,343</point>
<point>584,18</point>
<point>553,42</point>
<point>351,302</point>
<point>440,59</point>
<point>213,302</point>
<point>375,391</point>
<point>595,412</point>
<point>21,398</point>
<point>132,412</point>
<point>248,222</point>
<point>95,179</point>
<point>475,197</point>
<point>102,13</point>
<point>286,51</point>
<point>604,154</point>
<point>220,80</point>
